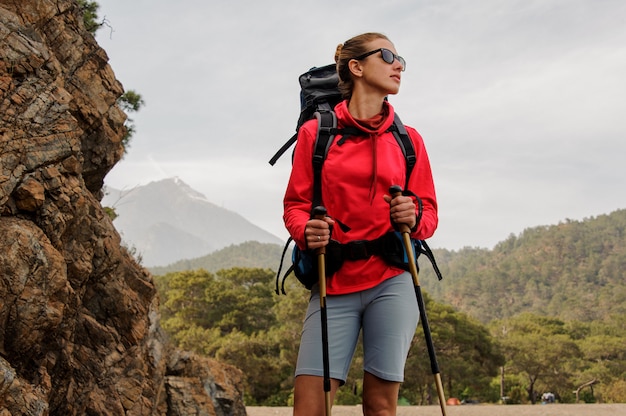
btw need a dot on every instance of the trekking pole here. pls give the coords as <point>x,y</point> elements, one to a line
<point>319,213</point>
<point>394,191</point>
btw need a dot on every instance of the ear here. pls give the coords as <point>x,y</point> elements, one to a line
<point>355,68</point>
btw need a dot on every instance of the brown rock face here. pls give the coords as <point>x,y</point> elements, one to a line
<point>79,320</point>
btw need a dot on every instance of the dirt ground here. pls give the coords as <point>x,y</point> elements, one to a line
<point>471,410</point>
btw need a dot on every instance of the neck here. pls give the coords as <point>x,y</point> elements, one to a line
<point>364,106</point>
<point>364,110</point>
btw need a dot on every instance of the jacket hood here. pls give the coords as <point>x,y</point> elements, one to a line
<point>347,120</point>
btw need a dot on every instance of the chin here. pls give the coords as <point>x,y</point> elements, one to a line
<point>394,90</point>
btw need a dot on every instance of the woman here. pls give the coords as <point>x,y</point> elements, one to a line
<point>366,294</point>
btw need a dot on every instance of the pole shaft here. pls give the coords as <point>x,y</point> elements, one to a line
<point>320,213</point>
<point>408,247</point>
<point>434,366</point>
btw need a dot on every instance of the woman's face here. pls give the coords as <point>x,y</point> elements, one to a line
<point>378,74</point>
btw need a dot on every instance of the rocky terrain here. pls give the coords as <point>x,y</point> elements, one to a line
<point>79,318</point>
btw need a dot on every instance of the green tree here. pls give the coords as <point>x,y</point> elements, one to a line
<point>615,392</point>
<point>183,300</point>
<point>129,102</point>
<point>467,355</point>
<point>540,349</point>
<point>241,299</point>
<point>229,315</point>
<point>90,14</point>
<point>289,311</point>
<point>603,358</point>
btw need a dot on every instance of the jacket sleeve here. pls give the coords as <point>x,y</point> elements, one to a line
<point>298,198</point>
<point>421,184</point>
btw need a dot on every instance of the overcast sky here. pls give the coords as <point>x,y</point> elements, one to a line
<point>521,103</point>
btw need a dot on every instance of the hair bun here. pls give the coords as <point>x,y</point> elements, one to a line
<point>338,52</point>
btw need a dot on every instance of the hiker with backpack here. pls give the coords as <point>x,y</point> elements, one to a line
<point>365,292</point>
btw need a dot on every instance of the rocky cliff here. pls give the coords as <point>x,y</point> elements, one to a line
<point>79,320</point>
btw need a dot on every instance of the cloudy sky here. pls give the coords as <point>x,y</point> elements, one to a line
<point>521,103</point>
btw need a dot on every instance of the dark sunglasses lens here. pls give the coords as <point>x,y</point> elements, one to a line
<point>402,61</point>
<point>387,55</point>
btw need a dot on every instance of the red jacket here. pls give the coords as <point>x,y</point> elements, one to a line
<point>355,176</point>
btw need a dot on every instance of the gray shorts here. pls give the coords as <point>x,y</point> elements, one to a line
<point>388,316</point>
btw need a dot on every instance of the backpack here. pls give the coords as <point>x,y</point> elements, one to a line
<point>319,93</point>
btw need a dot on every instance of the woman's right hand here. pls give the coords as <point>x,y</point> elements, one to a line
<point>317,232</point>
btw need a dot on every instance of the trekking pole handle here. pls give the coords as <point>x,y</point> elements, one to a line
<point>405,230</point>
<point>319,213</point>
<point>394,191</point>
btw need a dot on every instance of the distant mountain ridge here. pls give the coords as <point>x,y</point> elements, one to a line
<point>250,254</point>
<point>167,221</point>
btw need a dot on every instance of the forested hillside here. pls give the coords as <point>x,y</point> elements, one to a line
<point>248,254</point>
<point>574,271</point>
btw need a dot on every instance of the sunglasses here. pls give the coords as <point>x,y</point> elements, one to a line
<point>387,56</point>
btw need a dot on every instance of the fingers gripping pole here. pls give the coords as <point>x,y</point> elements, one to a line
<point>319,213</point>
<point>395,191</point>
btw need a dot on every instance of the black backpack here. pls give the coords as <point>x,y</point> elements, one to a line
<point>319,93</point>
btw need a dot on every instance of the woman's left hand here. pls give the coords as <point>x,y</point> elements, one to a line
<point>402,210</point>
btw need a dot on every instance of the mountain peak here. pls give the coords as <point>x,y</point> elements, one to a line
<point>167,221</point>
<point>178,186</point>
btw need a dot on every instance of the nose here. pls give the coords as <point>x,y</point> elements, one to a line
<point>398,61</point>
<point>397,64</point>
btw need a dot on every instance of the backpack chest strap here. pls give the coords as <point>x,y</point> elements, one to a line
<point>356,250</point>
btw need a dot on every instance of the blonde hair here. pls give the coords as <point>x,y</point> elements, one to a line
<point>346,52</point>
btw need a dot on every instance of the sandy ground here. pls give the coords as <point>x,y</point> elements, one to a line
<point>470,410</point>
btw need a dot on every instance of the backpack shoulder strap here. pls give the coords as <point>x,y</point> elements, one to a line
<point>283,149</point>
<point>323,106</point>
<point>401,135</point>
<point>405,143</point>
<point>326,132</point>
